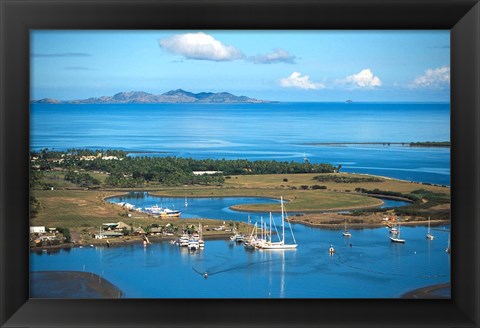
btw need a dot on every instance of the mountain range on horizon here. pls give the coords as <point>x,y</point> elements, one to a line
<point>170,97</point>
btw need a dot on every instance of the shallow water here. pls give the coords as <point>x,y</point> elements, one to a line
<point>367,265</point>
<point>372,267</point>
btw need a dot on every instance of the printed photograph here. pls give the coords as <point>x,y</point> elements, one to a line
<point>240,164</point>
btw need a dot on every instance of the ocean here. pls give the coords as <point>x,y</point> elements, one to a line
<point>362,137</point>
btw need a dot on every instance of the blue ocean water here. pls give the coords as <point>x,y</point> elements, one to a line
<point>277,131</point>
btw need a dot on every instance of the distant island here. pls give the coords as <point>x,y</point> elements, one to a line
<point>409,144</point>
<point>170,97</point>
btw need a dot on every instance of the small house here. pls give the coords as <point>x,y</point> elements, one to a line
<point>37,229</point>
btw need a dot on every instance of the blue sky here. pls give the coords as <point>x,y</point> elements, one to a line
<point>407,66</point>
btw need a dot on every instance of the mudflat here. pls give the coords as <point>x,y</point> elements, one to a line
<point>71,284</point>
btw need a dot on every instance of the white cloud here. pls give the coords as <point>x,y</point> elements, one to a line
<point>436,78</point>
<point>364,79</point>
<point>295,80</point>
<point>277,56</point>
<point>199,46</point>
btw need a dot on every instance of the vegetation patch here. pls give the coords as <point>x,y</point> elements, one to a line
<point>345,178</point>
<point>128,172</point>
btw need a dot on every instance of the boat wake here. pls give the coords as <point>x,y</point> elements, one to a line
<point>343,261</point>
<point>211,271</point>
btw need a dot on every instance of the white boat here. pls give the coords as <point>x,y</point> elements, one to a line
<point>193,244</point>
<point>345,232</point>
<point>183,241</point>
<point>429,236</point>
<point>237,238</point>
<point>281,244</point>
<point>394,229</point>
<point>155,209</point>
<point>170,213</point>
<point>263,236</point>
<point>448,249</point>
<point>201,242</point>
<point>331,250</point>
<point>186,203</point>
<point>252,241</point>
<point>395,237</point>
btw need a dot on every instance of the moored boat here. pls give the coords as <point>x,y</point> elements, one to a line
<point>345,232</point>
<point>183,240</point>
<point>170,213</point>
<point>395,237</point>
<point>429,235</point>
<point>237,238</point>
<point>281,244</point>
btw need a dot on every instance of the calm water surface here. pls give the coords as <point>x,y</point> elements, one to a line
<point>372,267</point>
<point>279,131</point>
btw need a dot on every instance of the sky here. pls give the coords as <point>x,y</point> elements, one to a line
<point>293,66</point>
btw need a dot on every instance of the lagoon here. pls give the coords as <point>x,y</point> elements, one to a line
<point>212,207</point>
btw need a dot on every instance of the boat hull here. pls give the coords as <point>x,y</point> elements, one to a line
<point>292,246</point>
<point>397,240</point>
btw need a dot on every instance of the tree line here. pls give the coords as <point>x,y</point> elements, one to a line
<point>129,171</point>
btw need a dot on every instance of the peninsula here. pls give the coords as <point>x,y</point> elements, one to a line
<point>170,97</point>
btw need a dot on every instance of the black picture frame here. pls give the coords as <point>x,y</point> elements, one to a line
<point>17,17</point>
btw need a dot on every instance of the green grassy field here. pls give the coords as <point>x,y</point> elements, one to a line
<point>86,210</point>
<point>296,180</point>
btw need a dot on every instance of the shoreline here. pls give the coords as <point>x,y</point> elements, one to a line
<point>425,144</point>
<point>429,292</point>
<point>369,225</point>
<point>225,236</point>
<point>122,242</point>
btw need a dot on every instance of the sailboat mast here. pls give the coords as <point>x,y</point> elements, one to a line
<point>283,224</point>
<point>261,225</point>
<point>270,234</point>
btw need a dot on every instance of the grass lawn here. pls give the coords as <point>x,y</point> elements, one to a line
<point>86,210</point>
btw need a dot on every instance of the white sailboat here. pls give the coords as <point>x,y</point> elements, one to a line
<point>186,202</point>
<point>448,249</point>
<point>251,242</point>
<point>345,232</point>
<point>281,244</point>
<point>429,236</point>
<point>201,242</point>
<point>395,238</point>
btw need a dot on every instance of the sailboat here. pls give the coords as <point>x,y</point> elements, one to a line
<point>345,232</point>
<point>251,242</point>
<point>281,244</point>
<point>395,238</point>
<point>429,236</point>
<point>448,249</point>
<point>201,242</point>
<point>186,203</point>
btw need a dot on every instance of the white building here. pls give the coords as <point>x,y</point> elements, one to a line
<point>206,172</point>
<point>37,229</point>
